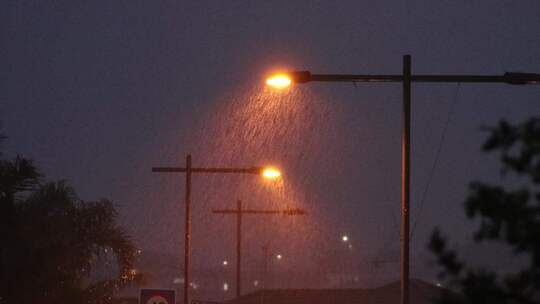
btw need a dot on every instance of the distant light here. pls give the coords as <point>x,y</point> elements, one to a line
<point>133,271</point>
<point>225,287</point>
<point>139,251</point>
<point>225,263</point>
<point>350,246</point>
<point>255,283</point>
<point>438,284</point>
<point>279,81</point>
<point>178,281</point>
<point>193,285</point>
<point>279,256</point>
<point>345,238</point>
<point>271,173</point>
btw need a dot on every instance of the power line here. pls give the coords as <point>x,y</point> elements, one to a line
<point>437,154</point>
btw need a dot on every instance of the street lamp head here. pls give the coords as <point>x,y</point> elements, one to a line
<point>270,173</point>
<point>279,81</point>
<point>283,80</point>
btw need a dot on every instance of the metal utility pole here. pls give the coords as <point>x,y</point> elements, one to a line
<point>189,170</point>
<point>405,178</point>
<point>187,235</point>
<point>406,78</point>
<point>239,212</point>
<point>238,248</point>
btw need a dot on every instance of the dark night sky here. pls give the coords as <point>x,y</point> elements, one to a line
<point>97,92</point>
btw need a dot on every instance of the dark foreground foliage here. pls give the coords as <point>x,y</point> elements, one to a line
<point>50,241</point>
<point>511,217</point>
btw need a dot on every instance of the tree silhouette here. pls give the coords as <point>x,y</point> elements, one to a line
<point>511,217</point>
<point>51,241</point>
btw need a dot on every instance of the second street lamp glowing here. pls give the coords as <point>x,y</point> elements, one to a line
<point>279,81</point>
<point>189,170</point>
<point>271,173</point>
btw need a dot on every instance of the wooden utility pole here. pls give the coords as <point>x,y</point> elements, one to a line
<point>189,170</point>
<point>239,212</point>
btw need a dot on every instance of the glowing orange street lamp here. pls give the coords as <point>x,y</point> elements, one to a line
<point>406,78</point>
<point>266,172</point>
<point>284,80</point>
<point>279,81</point>
<point>270,173</point>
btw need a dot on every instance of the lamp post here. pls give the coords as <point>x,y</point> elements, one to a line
<point>239,212</point>
<point>406,78</point>
<point>267,172</point>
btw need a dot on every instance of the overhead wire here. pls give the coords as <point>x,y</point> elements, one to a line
<point>437,157</point>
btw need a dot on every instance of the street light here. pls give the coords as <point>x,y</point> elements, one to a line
<point>279,81</point>
<point>266,172</point>
<point>406,78</point>
<point>285,79</point>
<point>271,173</point>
